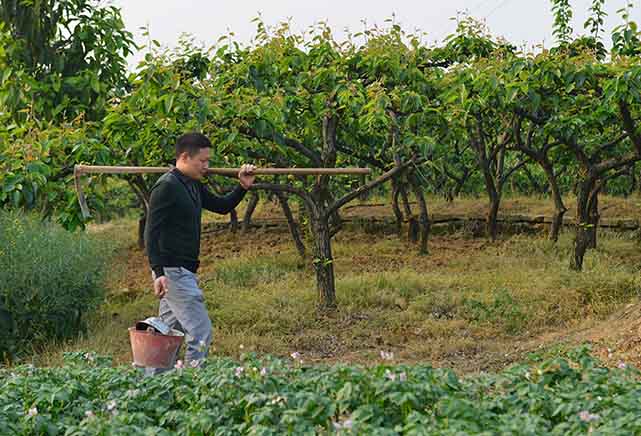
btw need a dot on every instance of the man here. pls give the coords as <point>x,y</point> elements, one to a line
<point>172,240</point>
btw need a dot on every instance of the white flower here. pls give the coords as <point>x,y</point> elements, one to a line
<point>241,346</point>
<point>33,411</point>
<point>263,372</point>
<point>390,375</point>
<point>387,355</point>
<point>346,424</point>
<point>278,399</point>
<point>402,377</point>
<point>111,405</point>
<point>179,364</point>
<point>587,416</point>
<point>295,355</point>
<point>622,364</point>
<point>90,414</point>
<point>194,363</point>
<point>239,371</point>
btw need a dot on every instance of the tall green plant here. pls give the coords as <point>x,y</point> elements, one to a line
<point>50,279</point>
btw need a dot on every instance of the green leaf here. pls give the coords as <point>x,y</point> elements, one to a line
<point>168,100</point>
<point>6,74</point>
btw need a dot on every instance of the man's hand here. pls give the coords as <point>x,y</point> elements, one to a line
<point>161,286</point>
<point>246,175</point>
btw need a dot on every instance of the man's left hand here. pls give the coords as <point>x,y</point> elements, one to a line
<point>246,175</point>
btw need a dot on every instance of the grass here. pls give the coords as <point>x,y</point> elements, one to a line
<point>610,207</point>
<point>470,304</point>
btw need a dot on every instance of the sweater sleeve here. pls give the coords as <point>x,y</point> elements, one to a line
<point>221,205</point>
<point>162,199</point>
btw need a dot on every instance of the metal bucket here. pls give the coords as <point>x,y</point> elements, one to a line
<point>154,350</point>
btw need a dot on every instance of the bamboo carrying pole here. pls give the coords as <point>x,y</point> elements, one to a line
<point>89,169</point>
<point>92,169</point>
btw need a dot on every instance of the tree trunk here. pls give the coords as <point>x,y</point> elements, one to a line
<point>491,224</point>
<point>395,207</point>
<point>594,221</point>
<point>559,207</point>
<point>365,194</point>
<point>233,221</point>
<point>324,264</point>
<point>493,182</point>
<point>143,195</point>
<point>142,222</point>
<point>449,195</point>
<point>413,229</point>
<point>406,203</point>
<point>580,247</point>
<point>293,226</point>
<point>251,207</point>
<point>424,221</point>
<point>557,223</point>
<point>582,238</point>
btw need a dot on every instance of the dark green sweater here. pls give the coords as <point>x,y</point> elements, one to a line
<point>172,231</point>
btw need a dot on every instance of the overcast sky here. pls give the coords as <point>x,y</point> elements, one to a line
<point>523,22</point>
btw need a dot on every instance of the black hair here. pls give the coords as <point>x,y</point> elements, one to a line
<point>191,143</point>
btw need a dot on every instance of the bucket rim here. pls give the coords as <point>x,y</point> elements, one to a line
<point>172,332</point>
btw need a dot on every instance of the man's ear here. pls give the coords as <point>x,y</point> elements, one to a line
<point>182,156</point>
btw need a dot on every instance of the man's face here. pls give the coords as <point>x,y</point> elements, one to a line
<point>194,166</point>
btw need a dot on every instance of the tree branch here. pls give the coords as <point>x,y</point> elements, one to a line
<point>290,142</point>
<point>310,154</point>
<point>370,160</point>
<point>614,163</point>
<point>628,125</point>
<point>292,190</point>
<point>512,171</point>
<point>621,172</point>
<point>368,186</point>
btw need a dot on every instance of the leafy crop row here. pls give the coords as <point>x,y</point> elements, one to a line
<point>573,395</point>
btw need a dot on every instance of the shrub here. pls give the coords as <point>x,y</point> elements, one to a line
<point>49,278</point>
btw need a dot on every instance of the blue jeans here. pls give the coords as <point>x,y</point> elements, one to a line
<point>183,308</point>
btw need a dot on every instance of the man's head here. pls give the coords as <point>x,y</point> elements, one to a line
<point>192,155</point>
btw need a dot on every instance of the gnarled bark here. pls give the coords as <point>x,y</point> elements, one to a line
<point>249,212</point>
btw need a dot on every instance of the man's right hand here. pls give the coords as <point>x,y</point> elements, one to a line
<point>161,286</point>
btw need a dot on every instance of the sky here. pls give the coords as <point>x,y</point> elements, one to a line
<point>526,23</point>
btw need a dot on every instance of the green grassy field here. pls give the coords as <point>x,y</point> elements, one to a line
<point>470,304</point>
